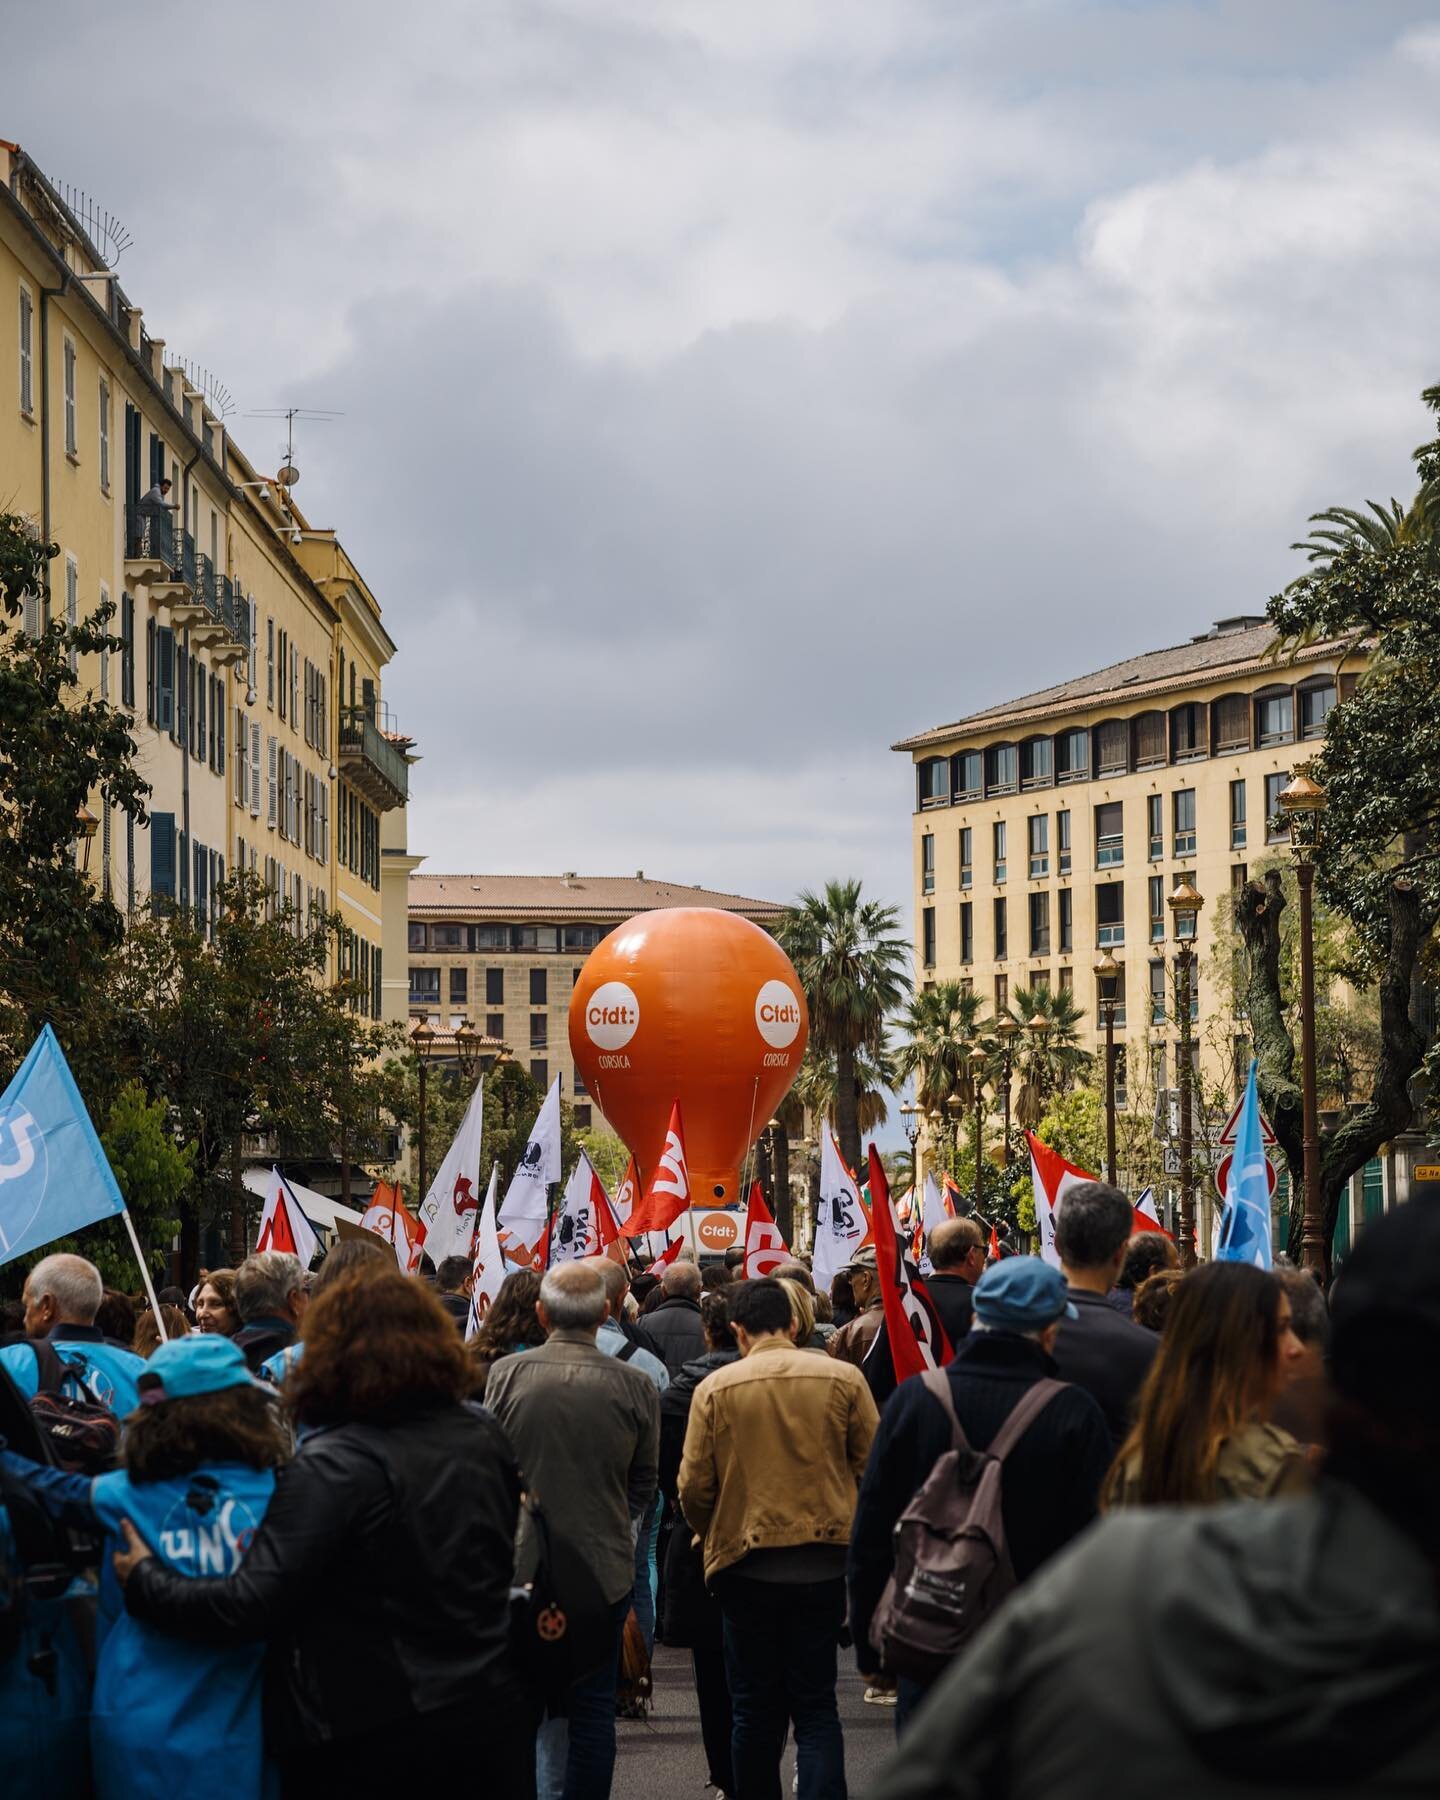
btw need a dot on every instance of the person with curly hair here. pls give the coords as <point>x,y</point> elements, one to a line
<point>379,1580</point>
<point>510,1323</point>
<point>215,1308</point>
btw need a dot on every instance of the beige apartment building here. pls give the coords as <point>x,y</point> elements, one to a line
<point>253,650</point>
<point>503,952</point>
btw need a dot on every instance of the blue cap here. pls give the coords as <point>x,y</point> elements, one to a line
<point>1022,1294</point>
<point>202,1363</point>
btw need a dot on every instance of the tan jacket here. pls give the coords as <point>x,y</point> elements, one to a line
<point>1260,1462</point>
<point>851,1343</point>
<point>774,1452</point>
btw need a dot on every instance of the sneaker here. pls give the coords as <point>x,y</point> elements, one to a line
<point>881,1693</point>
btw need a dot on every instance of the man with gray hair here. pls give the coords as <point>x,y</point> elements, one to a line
<point>585,1428</point>
<point>1098,1350</point>
<point>674,1326</point>
<point>270,1298</point>
<point>61,1298</point>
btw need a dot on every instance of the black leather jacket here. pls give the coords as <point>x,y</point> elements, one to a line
<point>379,1578</point>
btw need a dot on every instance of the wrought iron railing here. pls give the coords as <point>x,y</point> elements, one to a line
<point>360,735</point>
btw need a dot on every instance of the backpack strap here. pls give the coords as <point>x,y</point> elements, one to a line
<point>1024,1413</point>
<point>937,1385</point>
<point>626,1351</point>
<point>51,1369</point>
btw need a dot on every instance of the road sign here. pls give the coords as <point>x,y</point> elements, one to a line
<point>1227,1136</point>
<point>1425,1172</point>
<point>1172,1161</point>
<point>1222,1175</point>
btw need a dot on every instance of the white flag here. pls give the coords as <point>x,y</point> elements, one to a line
<point>576,1231</point>
<point>934,1214</point>
<point>283,1225</point>
<point>449,1211</point>
<point>488,1269</point>
<point>525,1212</point>
<point>840,1227</point>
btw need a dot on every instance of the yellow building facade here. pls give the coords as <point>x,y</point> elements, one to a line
<point>253,649</point>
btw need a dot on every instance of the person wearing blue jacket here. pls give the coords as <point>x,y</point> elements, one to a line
<point>61,1298</point>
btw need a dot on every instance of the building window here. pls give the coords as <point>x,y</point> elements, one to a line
<point>1002,931</point>
<point>1149,730</point>
<point>1062,841</point>
<point>539,987</point>
<point>1109,835</point>
<point>967,931</point>
<point>998,844</point>
<point>927,864</point>
<point>1275,718</point>
<point>1237,815</point>
<point>1067,924</point>
<point>582,1115</point>
<point>1112,748</point>
<point>1277,831</point>
<point>1038,829</point>
<point>127,651</point>
<point>967,851</point>
<point>1239,875</point>
<point>489,937</point>
<point>459,987</point>
<point>1001,769</point>
<point>105,439</point>
<point>1184,806</point>
<point>539,1030</point>
<point>447,937</point>
<point>540,1071</point>
<point>1037,767</point>
<point>424,987</point>
<point>417,935</point>
<point>1189,731</point>
<point>1158,979</point>
<point>1154,828</point>
<point>1039,924</point>
<point>933,779</point>
<point>1315,707</point>
<point>967,987</point>
<point>1002,994</point>
<point>581,937</point>
<point>27,351</point>
<point>927,936</point>
<point>1232,722</point>
<point>1110,913</point>
<point>1157,909</point>
<point>1067,980</point>
<point>1072,755</point>
<point>72,434</point>
<point>495,1025</point>
<point>966,773</point>
<point>494,987</point>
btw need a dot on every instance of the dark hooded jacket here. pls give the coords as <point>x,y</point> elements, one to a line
<point>688,1610</point>
<point>1275,1648</point>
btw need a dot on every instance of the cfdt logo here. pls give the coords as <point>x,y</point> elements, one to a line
<point>612,1015</point>
<point>777,1014</point>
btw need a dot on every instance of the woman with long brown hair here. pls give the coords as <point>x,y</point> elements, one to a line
<point>1202,1431</point>
<point>379,1579</point>
<point>510,1323</point>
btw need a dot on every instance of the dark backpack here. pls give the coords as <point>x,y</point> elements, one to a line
<point>83,1434</point>
<point>952,1564</point>
<point>561,1627</point>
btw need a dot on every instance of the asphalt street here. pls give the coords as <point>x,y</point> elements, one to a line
<point>661,1756</point>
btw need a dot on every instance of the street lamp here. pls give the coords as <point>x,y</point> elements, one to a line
<point>1007,1031</point>
<point>1107,973</point>
<point>86,825</point>
<point>977,1060</point>
<point>955,1106</point>
<point>422,1042</point>
<point>468,1045</point>
<point>911,1115</point>
<point>1303,803</point>
<point>1185,904</point>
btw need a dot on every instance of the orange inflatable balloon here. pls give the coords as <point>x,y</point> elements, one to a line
<point>694,1005</point>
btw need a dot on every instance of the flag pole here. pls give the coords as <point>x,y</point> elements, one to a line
<point>145,1275</point>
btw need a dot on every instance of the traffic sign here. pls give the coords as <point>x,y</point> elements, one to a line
<point>1222,1175</point>
<point>1227,1136</point>
<point>1425,1172</point>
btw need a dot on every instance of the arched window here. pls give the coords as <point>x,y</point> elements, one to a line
<point>1230,722</point>
<point>1189,731</point>
<point>932,777</point>
<point>1149,734</point>
<point>1001,769</point>
<point>1275,716</point>
<point>966,776</point>
<point>1072,754</point>
<point>1037,762</point>
<point>1316,700</point>
<point>1112,747</point>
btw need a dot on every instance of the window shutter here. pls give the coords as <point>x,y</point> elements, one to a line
<point>217,712</point>
<point>1150,738</point>
<point>294,685</point>
<point>325,825</point>
<point>149,671</point>
<point>255,769</point>
<point>162,854</point>
<point>242,758</point>
<point>274,789</point>
<point>165,680</point>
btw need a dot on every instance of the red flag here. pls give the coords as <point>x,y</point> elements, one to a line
<point>994,1245</point>
<point>912,1326</point>
<point>765,1249</point>
<point>668,1194</point>
<point>612,1239</point>
<point>1145,1218</point>
<point>283,1225</point>
<point>668,1256</point>
<point>626,1196</point>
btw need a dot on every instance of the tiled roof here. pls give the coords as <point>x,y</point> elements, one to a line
<point>581,896</point>
<point>1236,652</point>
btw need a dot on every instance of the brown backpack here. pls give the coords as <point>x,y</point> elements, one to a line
<point>952,1565</point>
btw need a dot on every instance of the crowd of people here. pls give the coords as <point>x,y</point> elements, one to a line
<point>1145,1526</point>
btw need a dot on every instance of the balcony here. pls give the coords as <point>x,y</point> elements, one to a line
<point>373,766</point>
<point>158,555</point>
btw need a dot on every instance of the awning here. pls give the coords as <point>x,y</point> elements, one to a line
<point>318,1209</point>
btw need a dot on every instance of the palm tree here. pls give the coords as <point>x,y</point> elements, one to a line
<point>939,1028</point>
<point>1392,527</point>
<point>852,965</point>
<point>875,1077</point>
<point>1050,1059</point>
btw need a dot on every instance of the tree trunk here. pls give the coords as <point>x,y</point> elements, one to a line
<point>238,1243</point>
<point>1388,1111</point>
<point>783,1206</point>
<point>847,1125</point>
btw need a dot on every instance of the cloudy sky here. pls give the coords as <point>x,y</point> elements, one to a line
<point>731,386</point>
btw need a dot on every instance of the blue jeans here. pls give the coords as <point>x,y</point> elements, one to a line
<point>910,1696</point>
<point>780,1659</point>
<point>642,1595</point>
<point>575,1755</point>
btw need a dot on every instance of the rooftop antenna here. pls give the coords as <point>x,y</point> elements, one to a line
<point>108,237</point>
<point>287,474</point>
<point>214,391</point>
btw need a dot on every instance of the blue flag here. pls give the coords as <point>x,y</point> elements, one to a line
<point>54,1176</point>
<point>1245,1225</point>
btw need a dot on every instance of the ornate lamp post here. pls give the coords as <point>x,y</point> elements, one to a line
<point>1303,803</point>
<point>977,1060</point>
<point>955,1106</point>
<point>1107,974</point>
<point>422,1042</point>
<point>911,1115</point>
<point>86,825</point>
<point>1185,904</point>
<point>1007,1030</point>
<point>468,1045</point>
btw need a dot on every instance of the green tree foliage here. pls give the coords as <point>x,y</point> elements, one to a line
<point>852,965</point>
<point>938,1029</point>
<point>1047,1054</point>
<point>154,1172</point>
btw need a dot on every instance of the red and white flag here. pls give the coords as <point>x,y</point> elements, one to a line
<point>841,1225</point>
<point>388,1217</point>
<point>575,1232</point>
<point>450,1210</point>
<point>765,1249</point>
<point>1146,1218</point>
<point>668,1194</point>
<point>933,1214</point>
<point>666,1257</point>
<point>626,1195</point>
<point>487,1269</point>
<point>525,1210</point>
<point>913,1329</point>
<point>283,1225</point>
<point>612,1238</point>
<point>1052,1177</point>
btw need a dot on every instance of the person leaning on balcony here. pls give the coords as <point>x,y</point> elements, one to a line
<point>153,503</point>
